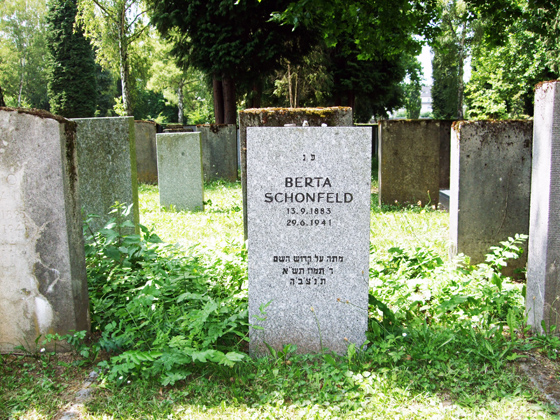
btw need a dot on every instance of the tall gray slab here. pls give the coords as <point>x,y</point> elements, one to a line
<point>308,193</point>
<point>42,265</point>
<point>107,166</point>
<point>409,161</point>
<point>180,170</point>
<point>219,151</point>
<point>543,282</point>
<point>444,153</point>
<point>278,117</point>
<point>490,185</point>
<point>146,155</point>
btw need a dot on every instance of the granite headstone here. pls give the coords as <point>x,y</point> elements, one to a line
<point>308,193</point>
<point>543,271</point>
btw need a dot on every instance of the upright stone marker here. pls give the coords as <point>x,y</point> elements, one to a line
<point>146,155</point>
<point>490,185</point>
<point>279,117</point>
<point>409,162</point>
<point>107,166</point>
<point>42,265</point>
<point>180,170</point>
<point>308,192</point>
<point>543,269</point>
<point>219,151</point>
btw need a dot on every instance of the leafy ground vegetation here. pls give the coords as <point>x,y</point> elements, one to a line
<point>170,328</point>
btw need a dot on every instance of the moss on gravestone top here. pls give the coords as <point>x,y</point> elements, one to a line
<point>39,113</point>
<point>280,116</point>
<point>145,121</point>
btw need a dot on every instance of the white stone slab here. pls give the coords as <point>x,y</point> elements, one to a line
<point>308,193</point>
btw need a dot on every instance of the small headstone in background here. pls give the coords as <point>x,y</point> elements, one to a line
<point>490,186</point>
<point>42,262</point>
<point>180,170</point>
<point>308,191</point>
<point>107,166</point>
<point>409,162</point>
<point>279,117</point>
<point>219,151</point>
<point>146,155</point>
<point>543,281</point>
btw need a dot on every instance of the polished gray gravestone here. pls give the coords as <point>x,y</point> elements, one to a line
<point>278,117</point>
<point>107,167</point>
<point>180,170</point>
<point>543,284</point>
<point>308,196</point>
<point>42,264</point>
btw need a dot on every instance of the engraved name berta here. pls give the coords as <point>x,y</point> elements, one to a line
<point>308,193</point>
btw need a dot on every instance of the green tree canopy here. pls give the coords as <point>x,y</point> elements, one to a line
<point>72,83</point>
<point>234,42</point>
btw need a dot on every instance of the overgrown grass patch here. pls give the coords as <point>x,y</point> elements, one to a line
<point>171,323</point>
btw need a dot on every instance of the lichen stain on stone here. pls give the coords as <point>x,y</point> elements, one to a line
<point>25,297</point>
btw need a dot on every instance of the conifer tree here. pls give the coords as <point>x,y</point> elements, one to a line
<point>72,83</point>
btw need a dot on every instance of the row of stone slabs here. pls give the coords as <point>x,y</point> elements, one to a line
<point>308,204</point>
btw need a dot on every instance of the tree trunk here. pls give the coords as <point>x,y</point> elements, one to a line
<point>461,72</point>
<point>351,99</point>
<point>123,62</point>
<point>296,90</point>
<point>180,104</point>
<point>218,100</point>
<point>230,109</point>
<point>256,94</point>
<point>2,103</point>
<point>290,87</point>
<point>21,82</point>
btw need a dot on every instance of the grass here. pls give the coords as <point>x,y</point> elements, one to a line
<point>444,348</point>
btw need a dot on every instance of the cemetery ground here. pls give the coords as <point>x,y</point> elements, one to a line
<point>446,340</point>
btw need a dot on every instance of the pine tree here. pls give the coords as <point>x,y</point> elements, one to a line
<point>72,82</point>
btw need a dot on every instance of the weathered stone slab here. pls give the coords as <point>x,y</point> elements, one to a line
<point>219,151</point>
<point>146,155</point>
<point>278,117</point>
<point>543,279</point>
<point>180,170</point>
<point>490,185</point>
<point>107,166</point>
<point>444,153</point>
<point>309,198</point>
<point>409,167</point>
<point>42,263</point>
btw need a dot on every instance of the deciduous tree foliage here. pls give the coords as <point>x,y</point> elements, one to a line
<point>22,53</point>
<point>115,27</point>
<point>72,83</point>
<point>233,41</point>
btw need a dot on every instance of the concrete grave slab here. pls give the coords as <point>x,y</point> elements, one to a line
<point>180,170</point>
<point>42,262</point>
